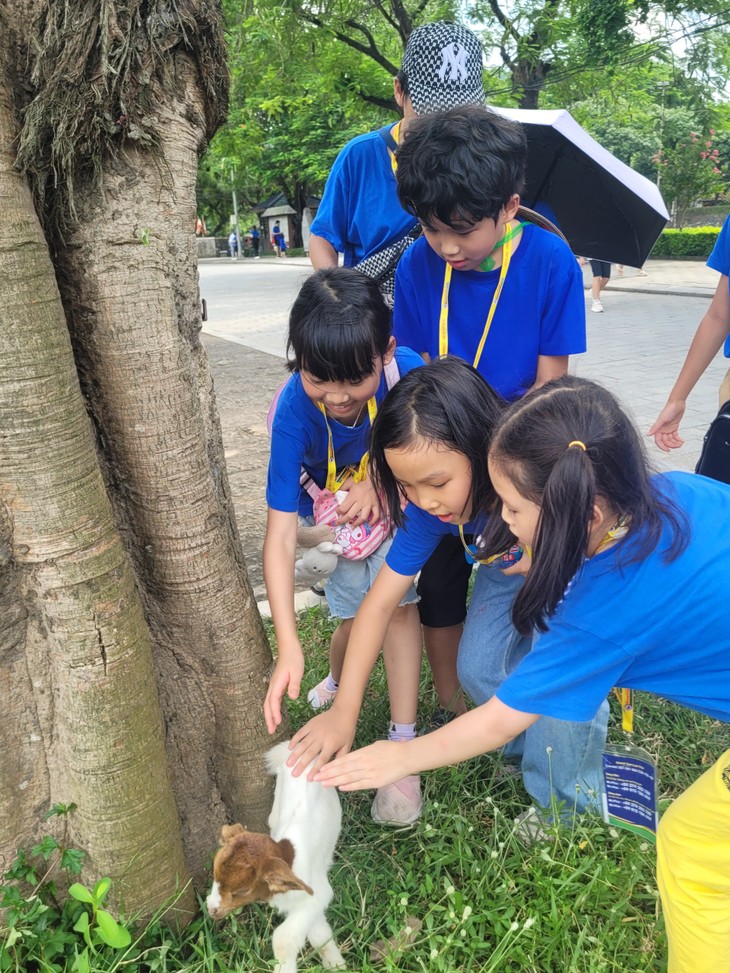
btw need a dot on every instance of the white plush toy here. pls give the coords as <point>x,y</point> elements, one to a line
<point>317,563</point>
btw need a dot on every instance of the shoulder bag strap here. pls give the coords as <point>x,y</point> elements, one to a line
<point>527,215</point>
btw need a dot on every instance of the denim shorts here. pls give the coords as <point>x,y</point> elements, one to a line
<point>351,581</point>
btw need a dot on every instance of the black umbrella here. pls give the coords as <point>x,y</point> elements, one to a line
<point>605,209</point>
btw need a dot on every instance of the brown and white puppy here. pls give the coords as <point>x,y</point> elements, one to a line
<point>287,868</point>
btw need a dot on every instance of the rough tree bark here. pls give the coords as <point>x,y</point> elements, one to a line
<point>119,219</point>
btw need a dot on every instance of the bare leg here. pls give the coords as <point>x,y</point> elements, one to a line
<point>338,646</point>
<point>402,657</point>
<point>442,648</point>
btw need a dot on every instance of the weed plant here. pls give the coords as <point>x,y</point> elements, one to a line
<point>458,891</point>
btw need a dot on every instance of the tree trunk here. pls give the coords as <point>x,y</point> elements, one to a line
<point>130,289</point>
<point>80,718</point>
<point>129,629</point>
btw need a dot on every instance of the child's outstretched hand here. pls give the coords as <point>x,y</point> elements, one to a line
<point>287,677</point>
<point>666,428</point>
<point>326,735</point>
<point>361,505</point>
<point>379,764</point>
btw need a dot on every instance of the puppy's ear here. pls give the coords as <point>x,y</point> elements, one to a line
<point>229,831</point>
<point>280,878</point>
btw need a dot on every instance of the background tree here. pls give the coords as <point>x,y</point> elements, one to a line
<point>133,651</point>
<point>689,171</point>
<point>306,77</point>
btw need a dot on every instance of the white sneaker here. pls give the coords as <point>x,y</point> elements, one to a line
<point>596,306</point>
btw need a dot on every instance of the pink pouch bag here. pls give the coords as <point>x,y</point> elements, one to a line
<point>358,542</point>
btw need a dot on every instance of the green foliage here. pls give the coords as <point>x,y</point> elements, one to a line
<point>689,171</point>
<point>693,241</point>
<point>47,931</point>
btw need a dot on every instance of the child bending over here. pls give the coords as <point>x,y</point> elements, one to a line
<point>339,343</point>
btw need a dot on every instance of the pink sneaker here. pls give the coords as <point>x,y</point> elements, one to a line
<point>321,696</point>
<point>398,803</point>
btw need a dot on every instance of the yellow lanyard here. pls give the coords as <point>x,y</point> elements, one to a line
<point>625,696</point>
<point>444,316</point>
<point>334,483</point>
<point>395,132</point>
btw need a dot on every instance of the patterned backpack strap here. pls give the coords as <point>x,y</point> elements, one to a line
<point>527,215</point>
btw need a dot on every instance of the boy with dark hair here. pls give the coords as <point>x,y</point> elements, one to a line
<point>506,296</point>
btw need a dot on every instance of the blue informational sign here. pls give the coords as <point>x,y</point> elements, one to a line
<point>629,799</point>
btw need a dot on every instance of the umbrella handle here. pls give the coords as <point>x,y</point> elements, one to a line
<point>530,216</point>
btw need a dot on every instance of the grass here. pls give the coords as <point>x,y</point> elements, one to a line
<point>458,892</point>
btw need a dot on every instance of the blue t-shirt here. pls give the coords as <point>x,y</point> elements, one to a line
<point>541,310</point>
<point>415,542</point>
<point>648,625</point>
<point>299,438</point>
<point>360,212</point>
<point>719,259</point>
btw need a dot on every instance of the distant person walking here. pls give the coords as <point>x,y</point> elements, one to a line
<point>278,240</point>
<point>255,241</point>
<point>233,245</point>
<point>601,270</point>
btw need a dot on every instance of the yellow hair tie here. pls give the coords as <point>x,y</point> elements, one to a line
<point>577,442</point>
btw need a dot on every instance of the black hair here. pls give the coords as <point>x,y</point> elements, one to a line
<point>445,402</point>
<point>402,79</point>
<point>338,326</point>
<point>531,446</point>
<point>460,166</point>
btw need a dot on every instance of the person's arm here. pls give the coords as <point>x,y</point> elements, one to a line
<point>332,732</point>
<point>711,333</point>
<point>280,548</point>
<point>485,728</point>
<point>321,252</point>
<point>550,367</point>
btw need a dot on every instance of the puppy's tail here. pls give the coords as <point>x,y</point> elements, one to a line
<point>277,756</point>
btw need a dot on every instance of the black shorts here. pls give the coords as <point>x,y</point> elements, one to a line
<point>443,585</point>
<point>601,268</point>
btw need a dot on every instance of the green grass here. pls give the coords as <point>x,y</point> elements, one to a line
<point>584,902</point>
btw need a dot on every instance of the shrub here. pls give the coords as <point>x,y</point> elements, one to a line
<point>695,241</point>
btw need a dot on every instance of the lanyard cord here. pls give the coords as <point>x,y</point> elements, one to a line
<point>334,483</point>
<point>395,132</point>
<point>506,244</point>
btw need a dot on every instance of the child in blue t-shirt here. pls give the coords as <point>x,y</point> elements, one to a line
<point>429,443</point>
<point>505,296</point>
<point>628,583</point>
<point>340,343</point>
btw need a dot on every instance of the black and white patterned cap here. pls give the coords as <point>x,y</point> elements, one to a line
<point>443,66</point>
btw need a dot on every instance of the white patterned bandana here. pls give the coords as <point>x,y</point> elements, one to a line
<point>443,65</point>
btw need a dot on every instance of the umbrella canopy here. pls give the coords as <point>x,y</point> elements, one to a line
<point>606,210</point>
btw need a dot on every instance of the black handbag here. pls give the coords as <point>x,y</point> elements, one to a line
<point>714,459</point>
